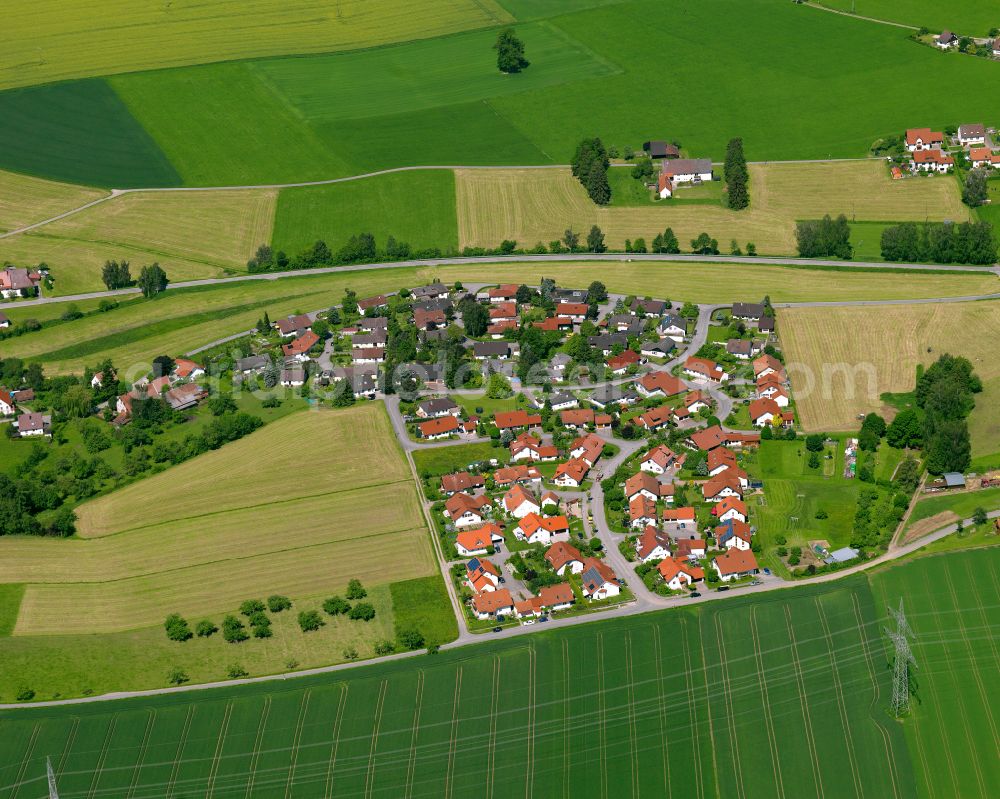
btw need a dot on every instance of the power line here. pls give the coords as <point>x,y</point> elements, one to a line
<point>904,657</point>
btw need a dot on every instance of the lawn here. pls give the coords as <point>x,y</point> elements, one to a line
<point>248,519</point>
<point>436,461</point>
<point>836,377</point>
<point>49,43</point>
<point>25,200</point>
<point>766,696</point>
<point>537,205</point>
<point>950,603</point>
<point>192,236</point>
<point>10,602</point>
<point>945,509</point>
<point>968,16</point>
<point>414,207</point>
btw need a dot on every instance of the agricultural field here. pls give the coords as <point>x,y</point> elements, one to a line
<point>836,377</point>
<point>965,16</point>
<point>777,695</point>
<point>202,537</point>
<point>25,200</point>
<point>383,205</point>
<point>934,512</point>
<point>191,235</point>
<point>538,205</point>
<point>292,119</point>
<point>50,43</point>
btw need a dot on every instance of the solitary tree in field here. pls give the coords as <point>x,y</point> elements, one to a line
<point>510,52</point>
<point>975,193</point>
<point>152,280</point>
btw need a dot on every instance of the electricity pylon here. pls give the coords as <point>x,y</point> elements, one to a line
<point>53,790</point>
<point>904,657</point>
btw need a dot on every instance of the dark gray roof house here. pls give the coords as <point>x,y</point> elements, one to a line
<point>491,349</point>
<point>441,406</point>
<point>606,341</point>
<point>569,295</point>
<point>680,167</point>
<point>741,347</point>
<point>748,311</point>
<point>252,363</point>
<point>432,291</point>
<point>766,324</point>
<point>649,307</point>
<point>660,149</point>
<point>373,323</point>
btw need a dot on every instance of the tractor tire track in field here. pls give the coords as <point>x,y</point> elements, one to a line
<point>103,757</point>
<point>255,757</point>
<point>529,772</point>
<point>70,740</point>
<point>491,755</point>
<point>179,754</point>
<point>23,768</point>
<point>335,742</point>
<point>839,689</point>
<point>296,742</point>
<point>876,693</point>
<point>411,762</point>
<point>662,712</point>
<point>379,707</point>
<point>731,716</point>
<point>601,716</point>
<point>696,738</point>
<point>772,738</point>
<point>632,733</point>
<point>566,718</point>
<point>133,785</point>
<point>453,739</point>
<point>800,684</point>
<point>213,773</point>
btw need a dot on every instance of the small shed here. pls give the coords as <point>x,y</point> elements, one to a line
<point>661,149</point>
<point>954,480</point>
<point>842,555</point>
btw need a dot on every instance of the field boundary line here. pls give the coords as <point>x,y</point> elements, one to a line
<point>255,757</point>
<point>838,687</point>
<point>181,742</point>
<point>708,707</point>
<point>134,782</point>
<point>630,695</point>
<point>297,740</point>
<point>23,768</point>
<point>730,715</point>
<point>103,757</point>
<point>772,740</point>
<point>662,712</point>
<point>332,764</point>
<point>800,681</point>
<point>975,671</point>
<point>453,738</point>
<point>602,716</point>
<point>494,709</point>
<point>414,732</point>
<point>379,705</point>
<point>219,744</point>
<point>876,693</point>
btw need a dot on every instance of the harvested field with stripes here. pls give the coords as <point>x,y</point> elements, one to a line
<point>25,200</point>
<point>783,695</point>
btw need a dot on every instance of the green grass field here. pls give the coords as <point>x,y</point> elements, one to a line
<point>945,509</point>
<point>770,696</point>
<point>966,16</point>
<point>444,460</point>
<point>25,200</point>
<point>415,207</point>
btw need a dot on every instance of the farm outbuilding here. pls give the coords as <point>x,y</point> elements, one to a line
<point>661,149</point>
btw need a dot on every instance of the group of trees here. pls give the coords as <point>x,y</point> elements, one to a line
<point>590,166</point>
<point>824,238</point>
<point>233,629</point>
<point>116,275</point>
<point>510,52</point>
<point>940,242</point>
<point>945,394</point>
<point>975,191</point>
<point>358,249</point>
<point>736,176</point>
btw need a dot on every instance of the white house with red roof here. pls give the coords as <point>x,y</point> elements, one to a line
<point>932,161</point>
<point>572,473</point>
<point>493,604</point>
<point>704,369</point>
<point>465,510</point>
<point>730,508</point>
<point>518,502</point>
<point>481,575</point>
<point>733,534</point>
<point>479,540</point>
<point>722,486</point>
<point>652,545</point>
<point>587,448</point>
<point>641,511</point>
<point>657,460</point>
<point>679,573</point>
<point>537,529</point>
<point>734,564</point>
<point>598,580</point>
<point>7,404</point>
<point>923,139</point>
<point>564,557</point>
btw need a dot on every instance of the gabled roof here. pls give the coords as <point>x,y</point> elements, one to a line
<point>730,528</point>
<point>459,481</point>
<point>577,416</point>
<point>728,504</point>
<point>440,426</point>
<point>711,487</point>
<point>460,503</point>
<point>704,366</point>
<point>736,561</point>
<point>558,594</point>
<point>596,573</point>
<point>300,345</point>
<point>516,497</point>
<point>932,157</point>
<point>721,456</point>
<point>641,507</point>
<point>519,418</point>
<point>532,523</point>
<point>661,455</point>
<point>671,567</point>
<point>492,601</point>
<point>512,474</point>
<point>576,468</point>
<point>764,362</point>
<point>650,539</point>
<point>761,407</point>
<point>709,438</point>
<point>655,417</point>
<point>685,514</point>
<point>925,135</point>
<point>641,481</point>
<point>561,553</point>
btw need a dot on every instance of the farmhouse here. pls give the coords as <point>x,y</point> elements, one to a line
<point>294,325</point>
<point>704,369</point>
<point>687,170</point>
<point>465,510</point>
<point>562,556</point>
<point>461,481</point>
<point>932,161</point>
<point>735,563</point>
<point>946,40</point>
<point>519,503</point>
<point>652,545</point>
<point>293,377</point>
<point>492,604</point>
<point>441,427</point>
<point>661,149</point>
<point>599,580</point>
<point>33,424</point>
<point>16,282</point>
<point>972,135</point>
<point>571,474</point>
<point>679,573</point>
<point>923,139</point>
<point>537,529</point>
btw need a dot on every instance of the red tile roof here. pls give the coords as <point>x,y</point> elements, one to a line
<point>509,419</point>
<point>736,561</point>
<point>301,345</point>
<point>439,426</point>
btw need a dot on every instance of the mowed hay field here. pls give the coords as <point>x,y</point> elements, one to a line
<point>967,16</point>
<point>244,519</point>
<point>50,42</point>
<point>538,205</point>
<point>25,200</point>
<point>192,235</point>
<point>840,360</point>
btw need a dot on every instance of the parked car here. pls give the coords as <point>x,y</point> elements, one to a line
<point>722,588</point>
<point>528,622</point>
<point>694,595</point>
<point>767,572</point>
<point>544,619</point>
<point>498,629</point>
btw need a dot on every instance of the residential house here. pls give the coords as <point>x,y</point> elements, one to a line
<point>518,502</point>
<point>493,604</point>
<point>185,369</point>
<point>487,350</point>
<point>372,323</point>
<point>556,597</point>
<point>465,510</point>
<point>642,484</point>
<point>442,406</point>
<point>972,135</point>
<point>932,161</point>
<point>660,384</point>
<point>693,549</point>
<point>704,369</point>
<point>996,48</point>
<point>587,447</point>
<point>720,459</point>
<point>657,349</point>
<point>564,557</point>
<point>673,327</point>
<point>680,521</point>
<point>724,485</point>
<point>17,282</point>
<point>299,348</point>
<point>369,303</point>
<point>692,403</point>
<point>561,400</point>
<point>609,394</point>
<point>655,418</point>
<point>504,312</point>
<point>368,355</point>
<point>577,311</point>
<point>439,427</point>
<point>735,563</point>
<point>561,295</point>
<point>598,580</point>
<point>984,157</point>
<point>649,308</point>
<point>772,388</point>
<point>923,139</point>
<point>363,382</point>
<point>733,534</point>
<point>687,170</point>
<point>377,338</point>
<point>619,364</point>
<point>679,573</point>
<point>706,440</point>
<point>529,447</point>
<point>537,529</point>
<point>763,412</point>
<point>497,330</point>
<point>579,417</point>
<point>625,323</point>
<point>294,325</point>
<point>730,508</point>
<point>652,545</point>
<point>429,320</point>
<point>511,420</point>
<point>766,324</point>
<point>946,40</point>
<point>748,311</point>
<point>657,460</point>
<point>517,475</point>
<point>606,342</point>
<point>550,499</point>
<point>33,424</point>
<point>742,348</point>
<point>572,473</point>
<point>293,377</point>
<point>767,365</point>
<point>661,149</point>
<point>7,404</point>
<point>252,364</point>
<point>461,481</point>
<point>641,511</point>
<point>432,291</point>
<point>504,293</point>
<point>481,576</point>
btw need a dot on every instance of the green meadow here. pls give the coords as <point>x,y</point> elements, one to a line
<point>627,71</point>
<point>776,695</point>
<point>962,16</point>
<point>415,207</point>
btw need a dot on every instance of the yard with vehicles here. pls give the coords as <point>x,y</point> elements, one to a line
<point>142,552</point>
<point>847,374</point>
<point>454,724</point>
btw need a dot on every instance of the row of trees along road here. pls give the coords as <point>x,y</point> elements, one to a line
<point>118,275</point>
